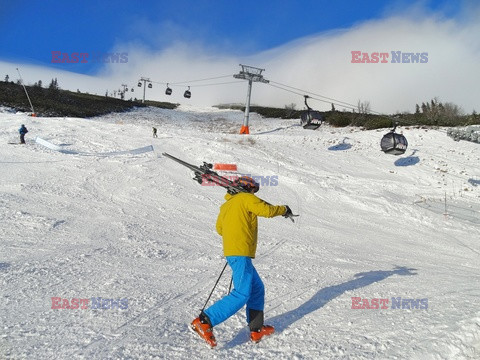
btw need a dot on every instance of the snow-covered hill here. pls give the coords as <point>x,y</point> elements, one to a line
<point>138,230</point>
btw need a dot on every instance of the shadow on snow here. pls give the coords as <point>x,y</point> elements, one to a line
<point>322,297</point>
<point>341,146</point>
<point>275,130</point>
<point>408,161</point>
<point>474,182</point>
<point>317,301</point>
<point>4,266</point>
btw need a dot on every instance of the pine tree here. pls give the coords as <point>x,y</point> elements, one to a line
<point>6,78</point>
<point>53,88</point>
<point>417,109</point>
<point>424,108</point>
<point>54,85</point>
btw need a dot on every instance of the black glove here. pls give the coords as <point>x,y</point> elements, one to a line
<point>288,213</point>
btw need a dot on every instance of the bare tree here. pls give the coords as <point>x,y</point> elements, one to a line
<point>290,109</point>
<point>363,107</point>
<point>436,111</point>
<point>451,111</point>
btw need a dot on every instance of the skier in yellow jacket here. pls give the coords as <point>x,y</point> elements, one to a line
<point>237,224</point>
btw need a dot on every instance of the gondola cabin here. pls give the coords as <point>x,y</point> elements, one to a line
<point>187,93</point>
<point>310,119</point>
<point>168,91</point>
<point>393,143</point>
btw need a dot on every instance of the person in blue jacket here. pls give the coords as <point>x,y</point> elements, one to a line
<point>22,131</point>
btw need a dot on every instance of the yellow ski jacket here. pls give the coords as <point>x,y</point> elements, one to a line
<point>237,222</point>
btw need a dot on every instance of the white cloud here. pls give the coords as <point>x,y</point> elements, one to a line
<point>323,64</point>
<point>320,64</point>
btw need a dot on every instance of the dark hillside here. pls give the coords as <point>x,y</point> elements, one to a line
<point>57,102</point>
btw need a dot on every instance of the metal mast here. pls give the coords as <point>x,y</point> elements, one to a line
<point>145,80</point>
<point>28,97</point>
<point>123,91</point>
<point>251,74</point>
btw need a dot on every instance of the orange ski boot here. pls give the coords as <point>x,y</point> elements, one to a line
<point>265,330</point>
<point>205,331</point>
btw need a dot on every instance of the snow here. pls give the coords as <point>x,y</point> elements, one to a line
<point>137,227</point>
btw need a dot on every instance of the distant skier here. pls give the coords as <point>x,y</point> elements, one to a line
<point>154,130</point>
<point>22,131</point>
<point>237,224</point>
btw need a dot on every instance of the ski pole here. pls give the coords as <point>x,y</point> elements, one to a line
<point>291,216</point>
<point>214,286</point>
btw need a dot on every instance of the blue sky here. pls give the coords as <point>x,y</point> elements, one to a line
<point>304,45</point>
<point>31,30</point>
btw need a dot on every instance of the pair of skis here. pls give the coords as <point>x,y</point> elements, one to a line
<point>204,173</point>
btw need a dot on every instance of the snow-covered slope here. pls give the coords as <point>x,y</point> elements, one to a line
<point>136,227</point>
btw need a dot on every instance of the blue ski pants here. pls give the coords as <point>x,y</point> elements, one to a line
<point>247,289</point>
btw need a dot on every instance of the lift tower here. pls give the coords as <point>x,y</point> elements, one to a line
<point>251,74</point>
<point>145,81</point>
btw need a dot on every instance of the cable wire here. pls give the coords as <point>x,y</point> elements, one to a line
<point>203,85</point>
<point>288,88</point>
<point>178,83</point>
<point>338,102</point>
<point>198,80</point>
<point>335,102</point>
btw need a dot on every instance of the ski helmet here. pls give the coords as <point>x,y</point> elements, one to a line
<point>248,183</point>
